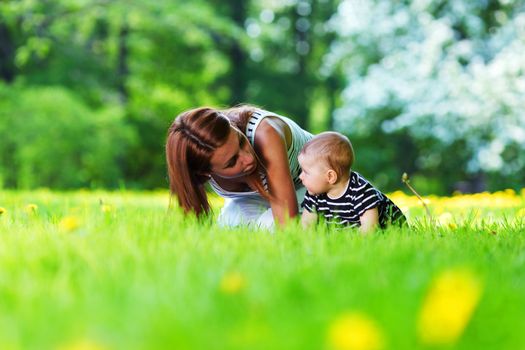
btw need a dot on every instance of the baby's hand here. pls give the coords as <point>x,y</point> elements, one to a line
<point>308,219</point>
<point>369,220</point>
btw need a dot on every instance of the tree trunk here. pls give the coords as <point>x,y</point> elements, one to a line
<point>237,55</point>
<point>303,46</point>
<point>7,53</point>
<point>122,63</point>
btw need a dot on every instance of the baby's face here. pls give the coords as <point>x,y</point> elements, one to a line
<point>314,174</point>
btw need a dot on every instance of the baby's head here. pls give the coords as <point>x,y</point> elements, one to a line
<point>325,160</point>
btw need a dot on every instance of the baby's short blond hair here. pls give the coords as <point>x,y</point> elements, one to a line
<point>333,148</point>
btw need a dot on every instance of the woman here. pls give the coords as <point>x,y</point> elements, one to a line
<point>249,157</point>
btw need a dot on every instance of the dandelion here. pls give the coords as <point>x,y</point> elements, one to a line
<point>69,223</point>
<point>3,211</point>
<point>354,331</point>
<point>105,208</point>
<point>31,208</point>
<point>232,283</point>
<point>452,226</point>
<point>406,180</point>
<point>448,307</point>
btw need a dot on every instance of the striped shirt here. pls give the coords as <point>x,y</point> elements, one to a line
<point>299,138</point>
<point>347,210</point>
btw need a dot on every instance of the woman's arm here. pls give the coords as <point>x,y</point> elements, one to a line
<point>270,146</point>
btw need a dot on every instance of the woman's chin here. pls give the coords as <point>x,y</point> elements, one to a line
<point>250,170</point>
<point>246,172</point>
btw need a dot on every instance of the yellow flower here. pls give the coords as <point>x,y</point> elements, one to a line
<point>448,307</point>
<point>354,331</point>
<point>105,208</point>
<point>82,344</point>
<point>452,226</point>
<point>232,283</point>
<point>69,223</point>
<point>3,210</point>
<point>31,208</point>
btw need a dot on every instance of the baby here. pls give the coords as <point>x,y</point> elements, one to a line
<point>342,196</point>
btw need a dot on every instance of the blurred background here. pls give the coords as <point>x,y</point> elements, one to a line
<point>436,89</point>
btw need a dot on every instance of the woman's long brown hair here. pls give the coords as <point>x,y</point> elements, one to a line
<point>192,138</point>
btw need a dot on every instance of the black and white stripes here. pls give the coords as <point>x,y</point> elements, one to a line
<point>359,197</point>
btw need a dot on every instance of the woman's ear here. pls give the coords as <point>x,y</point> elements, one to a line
<point>202,178</point>
<point>331,176</point>
<point>204,175</point>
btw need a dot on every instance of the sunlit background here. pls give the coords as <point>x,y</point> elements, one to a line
<point>432,88</point>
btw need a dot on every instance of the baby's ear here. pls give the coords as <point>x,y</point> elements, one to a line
<point>332,176</point>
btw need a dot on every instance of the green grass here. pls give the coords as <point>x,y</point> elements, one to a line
<point>138,277</point>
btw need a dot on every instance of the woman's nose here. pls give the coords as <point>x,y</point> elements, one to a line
<point>246,157</point>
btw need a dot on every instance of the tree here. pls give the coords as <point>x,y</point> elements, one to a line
<point>151,59</point>
<point>51,138</point>
<point>444,78</point>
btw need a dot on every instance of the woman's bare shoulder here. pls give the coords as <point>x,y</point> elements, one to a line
<point>272,130</point>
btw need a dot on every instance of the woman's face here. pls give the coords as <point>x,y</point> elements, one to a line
<point>235,158</point>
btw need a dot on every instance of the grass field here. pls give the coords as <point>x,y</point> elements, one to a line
<point>101,270</point>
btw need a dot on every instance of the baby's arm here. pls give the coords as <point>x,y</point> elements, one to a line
<point>308,219</point>
<point>369,220</point>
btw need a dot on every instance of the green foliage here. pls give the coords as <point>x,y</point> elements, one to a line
<point>66,43</point>
<point>287,45</point>
<point>175,66</point>
<point>143,62</point>
<point>51,139</point>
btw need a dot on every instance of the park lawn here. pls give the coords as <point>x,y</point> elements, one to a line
<point>117,270</point>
